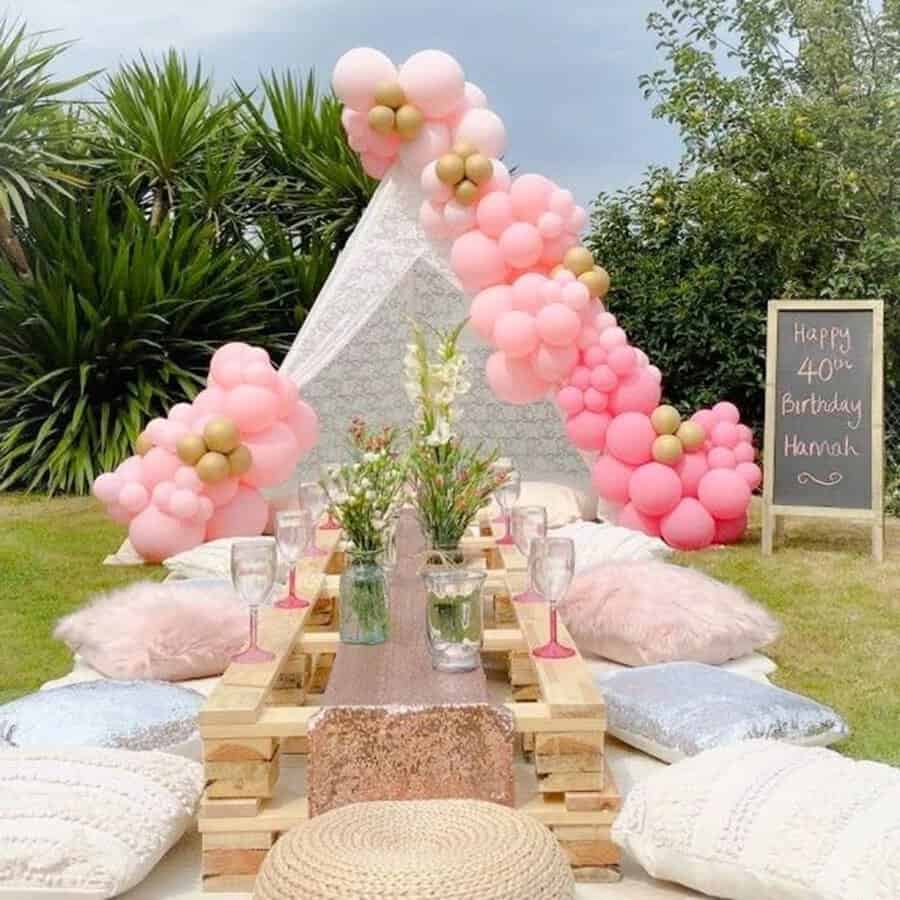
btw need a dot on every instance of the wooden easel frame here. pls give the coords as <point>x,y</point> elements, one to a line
<point>773,514</point>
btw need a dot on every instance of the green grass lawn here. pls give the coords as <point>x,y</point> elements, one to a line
<point>841,612</point>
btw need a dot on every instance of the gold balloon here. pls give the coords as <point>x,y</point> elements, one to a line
<point>464,149</point>
<point>665,419</point>
<point>597,281</point>
<point>450,169</point>
<point>578,260</point>
<point>143,444</point>
<point>240,460</point>
<point>667,449</point>
<point>221,435</point>
<point>389,93</point>
<point>212,467</point>
<point>381,119</point>
<point>190,448</point>
<point>409,121</point>
<point>692,435</point>
<point>466,192</point>
<point>479,168</point>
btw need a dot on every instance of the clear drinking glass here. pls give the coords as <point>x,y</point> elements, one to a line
<point>506,495</point>
<point>253,565</point>
<point>330,524</point>
<point>453,623</point>
<point>500,467</point>
<point>528,524</point>
<point>293,528</point>
<point>554,567</point>
<point>313,500</point>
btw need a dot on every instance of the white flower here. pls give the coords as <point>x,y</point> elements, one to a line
<point>370,457</point>
<point>370,495</point>
<point>440,435</point>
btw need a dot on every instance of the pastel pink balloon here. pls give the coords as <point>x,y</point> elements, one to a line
<point>221,492</point>
<point>725,434</point>
<point>554,363</point>
<point>631,517</point>
<point>231,353</point>
<point>587,430</point>
<point>477,260</point>
<point>516,334</point>
<point>487,307</point>
<point>208,401</point>
<point>605,320</point>
<point>550,291</point>
<point>187,477</point>
<point>158,465</point>
<point>437,191</point>
<point>562,203</point>
<point>162,494</point>
<point>458,218</point>
<point>744,452</point>
<point>530,195</point>
<point>484,129</point>
<point>745,434</point>
<point>594,356</point>
<point>655,374</point>
<point>603,378</point>
<point>432,141</point>
<point>245,516</point>
<point>106,487</point>
<point>131,469</point>
<point>622,360</point>
<point>433,81</point>
<point>262,375</point>
<point>751,473</point>
<point>474,96</point>
<point>637,392</point>
<point>118,513</point>
<point>184,504</point>
<point>578,219</point>
<point>500,180</point>
<point>303,422</point>
<point>513,380</point>
<point>564,277</point>
<point>705,419</point>
<point>354,122</point>
<point>558,325</point>
<point>554,251</point>
<point>382,145</point>
<point>689,526</point>
<point>133,497</point>
<point>642,358</point>
<point>726,412</point>
<point>724,493</point>
<point>182,413</point>
<point>595,401</point>
<point>206,509</point>
<point>274,452</point>
<point>252,408</point>
<point>570,400</point>
<point>158,431</point>
<point>550,224</point>
<point>610,476</point>
<point>691,468</point>
<point>655,489</point>
<point>288,394</point>
<point>581,377</point>
<point>356,75</point>
<point>721,458</point>
<point>359,143</point>
<point>610,338</point>
<point>589,337</point>
<point>432,221</point>
<point>528,292</point>
<point>630,438</point>
<point>494,213</point>
<point>576,296</point>
<point>730,531</point>
<point>156,535</point>
<point>521,245</point>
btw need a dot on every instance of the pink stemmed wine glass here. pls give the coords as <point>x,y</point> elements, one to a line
<point>330,524</point>
<point>506,495</point>
<point>314,500</point>
<point>554,567</point>
<point>528,524</point>
<point>253,565</point>
<point>292,530</point>
<point>501,467</point>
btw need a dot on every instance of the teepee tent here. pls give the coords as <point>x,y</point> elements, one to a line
<point>347,359</point>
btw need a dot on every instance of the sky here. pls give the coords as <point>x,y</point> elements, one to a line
<point>561,73</point>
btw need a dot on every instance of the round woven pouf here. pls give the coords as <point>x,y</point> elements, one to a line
<point>417,850</point>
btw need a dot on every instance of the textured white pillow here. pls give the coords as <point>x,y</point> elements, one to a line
<point>563,503</point>
<point>762,820</point>
<point>90,822</point>
<point>601,543</point>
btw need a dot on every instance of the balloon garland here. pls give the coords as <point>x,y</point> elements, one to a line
<point>537,299</point>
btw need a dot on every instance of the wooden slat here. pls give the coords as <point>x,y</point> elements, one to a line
<point>275,721</point>
<point>279,814</point>
<point>239,840</point>
<point>235,808</point>
<point>551,810</point>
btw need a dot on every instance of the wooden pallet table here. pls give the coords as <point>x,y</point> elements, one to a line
<point>263,716</point>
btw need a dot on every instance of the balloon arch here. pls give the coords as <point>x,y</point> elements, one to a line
<point>537,298</point>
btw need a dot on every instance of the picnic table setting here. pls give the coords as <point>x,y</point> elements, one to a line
<point>406,667</point>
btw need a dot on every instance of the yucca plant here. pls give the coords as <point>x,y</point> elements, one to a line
<point>119,324</point>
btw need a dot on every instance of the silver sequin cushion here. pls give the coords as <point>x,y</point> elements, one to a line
<point>129,715</point>
<point>676,710</point>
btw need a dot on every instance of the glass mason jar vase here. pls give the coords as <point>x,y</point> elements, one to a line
<point>453,623</point>
<point>365,601</point>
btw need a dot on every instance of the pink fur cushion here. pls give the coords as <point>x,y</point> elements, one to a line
<point>641,613</point>
<point>168,632</point>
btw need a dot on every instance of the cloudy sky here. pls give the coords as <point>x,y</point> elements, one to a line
<point>562,73</point>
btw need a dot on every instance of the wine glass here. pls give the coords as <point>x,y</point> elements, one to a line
<point>528,524</point>
<point>500,467</point>
<point>506,495</point>
<point>292,530</point>
<point>253,565</point>
<point>330,524</point>
<point>554,566</point>
<point>313,500</point>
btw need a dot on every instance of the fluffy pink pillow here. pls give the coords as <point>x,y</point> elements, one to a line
<point>168,632</point>
<point>641,613</point>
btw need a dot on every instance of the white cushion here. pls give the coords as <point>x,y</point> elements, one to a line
<point>601,542</point>
<point>89,822</point>
<point>763,820</point>
<point>563,503</point>
<point>209,560</point>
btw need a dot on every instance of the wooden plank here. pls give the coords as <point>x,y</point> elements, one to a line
<point>593,801</point>
<point>568,743</point>
<point>545,763</point>
<point>231,861</point>
<point>228,884</point>
<point>590,853</point>
<point>232,705</point>
<point>583,832</point>
<point>241,779</point>
<point>235,750</point>
<point>280,814</point>
<point>597,874</point>
<point>562,782</point>
<point>538,717</point>
<point>233,808</point>
<point>273,721</point>
<point>239,840</point>
<point>551,810</point>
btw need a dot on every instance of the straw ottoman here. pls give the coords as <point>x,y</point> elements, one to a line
<point>423,849</point>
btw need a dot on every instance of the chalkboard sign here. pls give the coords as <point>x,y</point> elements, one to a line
<point>824,430</point>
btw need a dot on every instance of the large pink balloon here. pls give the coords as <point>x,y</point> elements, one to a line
<point>225,364</point>
<point>484,129</point>
<point>158,465</point>
<point>432,221</point>
<point>208,401</point>
<point>513,381</point>
<point>521,245</point>
<point>689,526</point>
<point>631,517</point>
<point>570,400</point>
<point>304,424</point>
<point>106,487</point>
<point>558,325</point>
<point>724,493</point>
<point>432,141</point>
<point>555,363</point>
<point>515,334</point>
<point>357,74</point>
<point>222,492</point>
<point>721,458</point>
<point>433,186</point>
<point>630,438</point>
<point>691,468</point>
<point>157,536</point>
<point>610,477</point>
<point>245,516</point>
<point>274,452</point>
<point>744,452</point>
<point>458,218</point>
<point>638,392</point>
<point>494,214</point>
<point>725,434</point>
<point>528,292</point>
<point>133,497</point>
<point>433,81</point>
<point>487,307</point>
<point>726,412</point>
<point>477,260</point>
<point>602,377</point>
<point>655,489</point>
<point>730,531</point>
<point>595,401</point>
<point>530,196</point>
<point>252,408</point>
<point>705,419</point>
<point>288,394</point>
<point>751,473</point>
<point>375,166</point>
<point>587,430</point>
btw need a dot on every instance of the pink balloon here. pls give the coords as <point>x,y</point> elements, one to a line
<point>274,452</point>
<point>304,424</point>
<point>230,354</point>
<point>521,245</point>
<point>474,96</point>
<point>118,514</point>
<point>184,504</point>
<point>622,360</point>
<point>745,434</point>
<point>726,412</point>
<point>725,434</point>
<point>182,413</point>
<point>637,392</point>
<point>724,493</point>
<point>562,203</point>
<point>133,497</point>
<point>487,307</point>
<point>484,129</point>
<point>730,531</point>
<point>689,526</point>
<point>162,494</point>
<point>655,489</point>
<point>375,166</point>
<point>158,465</point>
<point>288,394</point>
<point>513,380</point>
<point>530,195</point>
<point>595,356</point>
<point>206,510</point>
<point>245,516</point>
<point>157,536</point>
<point>528,292</point>
<point>554,363</point>
<point>606,320</point>
<point>655,374</point>
<point>432,141</point>
<point>721,458</point>
<point>382,145</point>
<point>610,477</point>
<point>576,296</point>
<point>261,374</point>
<point>610,338</point>
<point>631,517</point>
<point>705,419</point>
<point>691,468</point>
<point>221,492</point>
<point>187,477</point>
<point>458,218</point>
<point>630,438</point>
<point>581,377</point>
<point>588,338</point>
<point>356,75</point>
<point>587,430</point>
<point>208,401</point>
<point>751,473</point>
<point>500,180</point>
<point>558,325</point>
<point>550,292</point>
<point>744,452</point>
<point>437,191</point>
<point>603,378</point>
<point>595,401</point>
<point>433,81</point>
<point>516,334</point>
<point>570,400</point>
<point>106,487</point>
<point>642,358</point>
<point>554,250</point>
<point>477,260</point>
<point>494,214</point>
<point>252,408</point>
<point>578,219</point>
<point>131,469</point>
<point>354,122</point>
<point>432,221</point>
<point>359,143</point>
<point>550,225</point>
